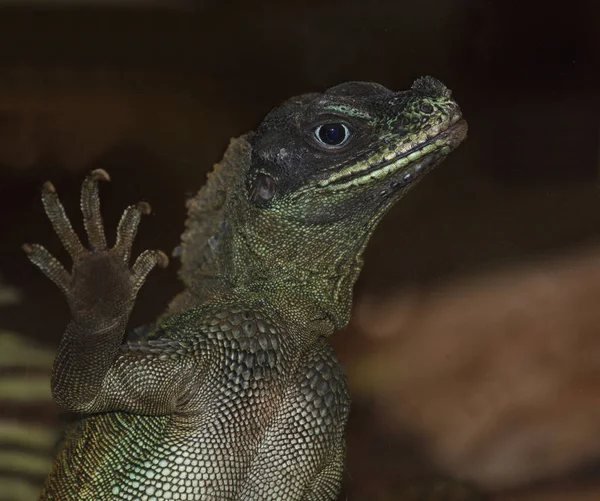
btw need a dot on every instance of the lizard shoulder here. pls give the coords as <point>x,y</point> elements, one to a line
<point>228,326</point>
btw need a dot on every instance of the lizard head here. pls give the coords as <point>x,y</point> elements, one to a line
<point>351,151</point>
<point>293,204</point>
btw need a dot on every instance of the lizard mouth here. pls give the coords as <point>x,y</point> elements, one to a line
<point>408,165</point>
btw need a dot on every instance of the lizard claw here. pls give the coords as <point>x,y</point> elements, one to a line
<point>90,207</point>
<point>144,264</point>
<point>128,226</point>
<point>162,259</point>
<point>48,187</point>
<point>99,175</point>
<point>144,208</point>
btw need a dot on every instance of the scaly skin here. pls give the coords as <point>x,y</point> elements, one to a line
<point>234,393</point>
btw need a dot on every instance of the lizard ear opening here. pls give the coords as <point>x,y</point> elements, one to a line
<point>264,189</point>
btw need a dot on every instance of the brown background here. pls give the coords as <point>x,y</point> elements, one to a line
<point>152,93</point>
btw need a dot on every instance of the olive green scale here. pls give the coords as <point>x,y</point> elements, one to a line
<point>268,418</point>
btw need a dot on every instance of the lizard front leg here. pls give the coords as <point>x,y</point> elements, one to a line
<point>100,290</point>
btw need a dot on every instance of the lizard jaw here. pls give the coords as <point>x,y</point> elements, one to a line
<point>413,162</point>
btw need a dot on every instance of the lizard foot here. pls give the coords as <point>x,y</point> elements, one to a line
<point>100,276</point>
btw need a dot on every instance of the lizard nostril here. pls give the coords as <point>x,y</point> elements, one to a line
<point>426,108</point>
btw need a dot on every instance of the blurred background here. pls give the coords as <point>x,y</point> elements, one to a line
<point>474,352</point>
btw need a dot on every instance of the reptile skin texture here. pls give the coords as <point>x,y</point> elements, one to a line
<point>234,392</point>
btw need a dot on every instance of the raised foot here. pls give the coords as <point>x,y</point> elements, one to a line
<point>100,284</point>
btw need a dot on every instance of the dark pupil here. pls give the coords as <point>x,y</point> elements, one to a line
<point>332,133</point>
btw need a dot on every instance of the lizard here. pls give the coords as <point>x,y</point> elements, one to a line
<point>234,392</point>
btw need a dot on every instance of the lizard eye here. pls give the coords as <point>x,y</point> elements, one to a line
<point>264,188</point>
<point>333,134</point>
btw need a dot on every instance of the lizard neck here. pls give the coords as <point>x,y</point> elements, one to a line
<point>313,302</point>
<point>313,275</point>
<point>309,282</point>
<point>305,299</point>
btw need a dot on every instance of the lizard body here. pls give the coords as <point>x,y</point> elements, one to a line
<point>234,393</point>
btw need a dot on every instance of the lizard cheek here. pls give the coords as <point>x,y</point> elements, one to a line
<point>264,189</point>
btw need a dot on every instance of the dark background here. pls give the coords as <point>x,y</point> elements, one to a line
<point>152,94</point>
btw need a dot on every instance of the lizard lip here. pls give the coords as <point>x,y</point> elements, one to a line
<point>412,163</point>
